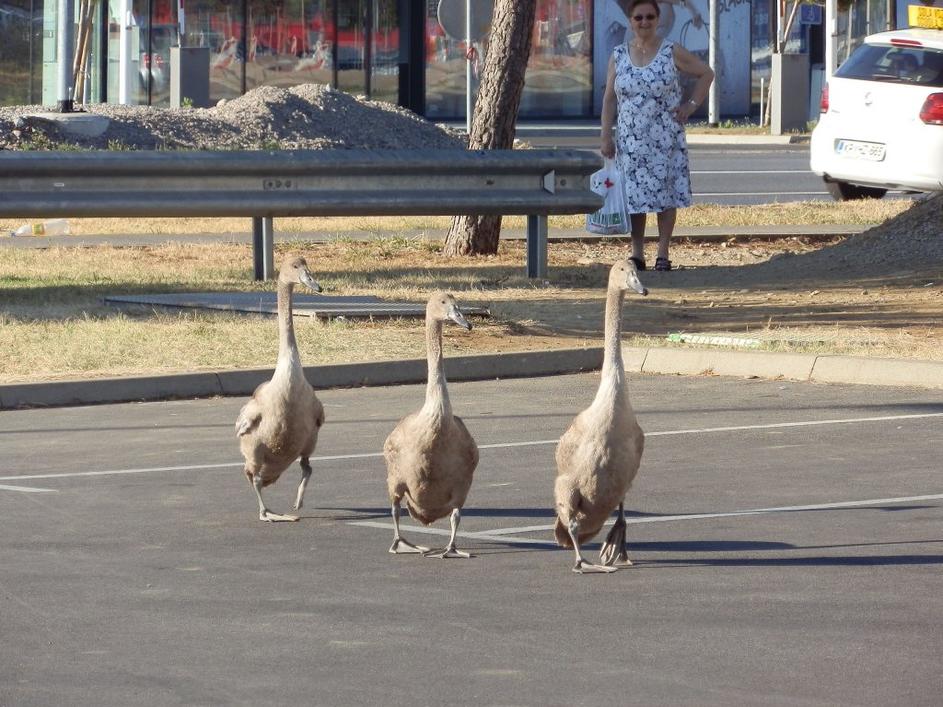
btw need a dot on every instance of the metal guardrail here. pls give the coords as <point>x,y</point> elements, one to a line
<point>264,185</point>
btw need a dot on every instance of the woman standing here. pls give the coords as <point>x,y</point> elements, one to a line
<point>643,99</point>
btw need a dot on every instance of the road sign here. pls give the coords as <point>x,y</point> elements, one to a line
<point>451,15</point>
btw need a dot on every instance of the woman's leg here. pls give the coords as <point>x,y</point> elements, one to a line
<point>638,235</point>
<point>666,226</point>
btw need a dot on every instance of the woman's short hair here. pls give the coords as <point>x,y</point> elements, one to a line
<point>628,6</point>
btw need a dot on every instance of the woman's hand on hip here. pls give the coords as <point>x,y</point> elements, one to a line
<point>684,111</point>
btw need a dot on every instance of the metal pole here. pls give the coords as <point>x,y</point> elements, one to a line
<point>125,72</point>
<point>762,94</point>
<point>468,69</point>
<point>263,247</point>
<point>537,246</point>
<point>713,108</point>
<point>65,51</point>
<point>831,33</point>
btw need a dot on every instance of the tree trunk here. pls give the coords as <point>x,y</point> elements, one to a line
<point>495,117</point>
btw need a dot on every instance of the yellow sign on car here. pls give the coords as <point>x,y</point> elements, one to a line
<point>928,17</point>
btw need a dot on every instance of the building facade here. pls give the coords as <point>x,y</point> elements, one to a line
<point>409,52</point>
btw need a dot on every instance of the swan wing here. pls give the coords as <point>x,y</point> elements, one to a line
<point>249,418</point>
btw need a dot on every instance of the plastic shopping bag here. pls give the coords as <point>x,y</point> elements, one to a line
<point>611,218</point>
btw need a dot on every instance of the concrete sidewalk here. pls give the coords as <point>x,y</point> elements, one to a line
<point>666,361</point>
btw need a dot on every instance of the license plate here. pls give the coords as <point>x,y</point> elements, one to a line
<point>873,151</point>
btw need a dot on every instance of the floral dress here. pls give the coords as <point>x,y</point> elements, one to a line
<point>651,149</point>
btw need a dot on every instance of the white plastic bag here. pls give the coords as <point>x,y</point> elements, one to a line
<point>611,218</point>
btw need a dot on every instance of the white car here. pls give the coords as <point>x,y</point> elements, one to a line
<point>881,125</point>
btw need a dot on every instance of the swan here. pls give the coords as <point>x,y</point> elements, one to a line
<point>430,455</point>
<point>280,423</point>
<point>598,456</point>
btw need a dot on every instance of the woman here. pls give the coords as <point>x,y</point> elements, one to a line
<point>643,91</point>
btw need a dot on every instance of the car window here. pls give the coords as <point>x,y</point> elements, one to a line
<point>910,65</point>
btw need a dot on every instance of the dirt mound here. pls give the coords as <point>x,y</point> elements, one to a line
<point>309,116</point>
<point>906,247</point>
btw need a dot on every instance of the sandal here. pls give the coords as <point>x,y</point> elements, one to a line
<point>662,264</point>
<point>639,263</point>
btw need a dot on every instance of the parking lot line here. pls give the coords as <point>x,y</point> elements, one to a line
<point>497,445</point>
<point>27,489</point>
<point>506,534</point>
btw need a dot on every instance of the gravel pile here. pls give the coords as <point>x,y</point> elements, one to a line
<point>911,242</point>
<point>309,116</point>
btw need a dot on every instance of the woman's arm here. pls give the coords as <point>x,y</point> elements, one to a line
<point>607,145</point>
<point>688,63</point>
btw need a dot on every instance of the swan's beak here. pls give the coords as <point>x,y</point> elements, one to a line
<point>308,279</point>
<point>633,283</point>
<point>456,316</point>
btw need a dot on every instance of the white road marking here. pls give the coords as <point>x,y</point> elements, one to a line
<point>504,534</point>
<point>497,445</point>
<point>411,529</point>
<point>733,514</point>
<point>27,489</point>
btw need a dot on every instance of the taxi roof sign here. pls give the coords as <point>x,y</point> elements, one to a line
<point>927,17</point>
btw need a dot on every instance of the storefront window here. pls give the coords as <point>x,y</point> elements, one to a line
<point>21,52</point>
<point>288,44</point>
<point>560,73</point>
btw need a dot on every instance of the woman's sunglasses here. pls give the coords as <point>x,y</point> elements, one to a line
<point>639,18</point>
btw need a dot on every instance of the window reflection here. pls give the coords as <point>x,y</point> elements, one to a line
<point>559,72</point>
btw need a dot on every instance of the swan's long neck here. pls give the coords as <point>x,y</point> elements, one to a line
<point>289,360</point>
<point>437,394</point>
<point>612,379</point>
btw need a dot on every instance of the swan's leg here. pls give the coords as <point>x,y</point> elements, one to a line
<point>305,475</point>
<point>398,539</point>
<point>264,513</point>
<point>449,550</point>
<point>582,566</point>
<point>614,550</point>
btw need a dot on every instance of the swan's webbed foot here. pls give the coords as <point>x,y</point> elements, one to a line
<point>447,552</point>
<point>613,551</point>
<point>410,548</point>
<point>584,567</point>
<point>270,517</point>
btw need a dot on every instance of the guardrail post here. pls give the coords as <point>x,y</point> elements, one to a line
<point>263,247</point>
<point>537,245</point>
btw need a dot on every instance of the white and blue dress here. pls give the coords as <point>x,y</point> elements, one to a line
<point>651,149</point>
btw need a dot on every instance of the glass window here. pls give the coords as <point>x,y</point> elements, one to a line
<point>288,43</point>
<point>21,52</point>
<point>910,65</point>
<point>384,55</point>
<point>559,73</point>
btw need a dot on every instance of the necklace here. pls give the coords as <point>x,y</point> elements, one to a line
<point>643,49</point>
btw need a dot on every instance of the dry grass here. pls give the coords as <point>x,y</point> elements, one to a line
<point>791,213</point>
<point>53,324</point>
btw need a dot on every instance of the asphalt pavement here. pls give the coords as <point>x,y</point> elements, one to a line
<point>786,541</point>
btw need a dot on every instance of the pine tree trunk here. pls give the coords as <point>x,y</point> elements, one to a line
<point>495,117</point>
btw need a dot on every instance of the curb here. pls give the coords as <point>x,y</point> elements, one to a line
<point>345,375</point>
<point>665,361</point>
<point>813,368</point>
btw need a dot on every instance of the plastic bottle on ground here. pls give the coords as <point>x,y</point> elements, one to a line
<point>52,227</point>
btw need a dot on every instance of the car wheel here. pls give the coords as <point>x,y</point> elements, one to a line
<point>843,191</point>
